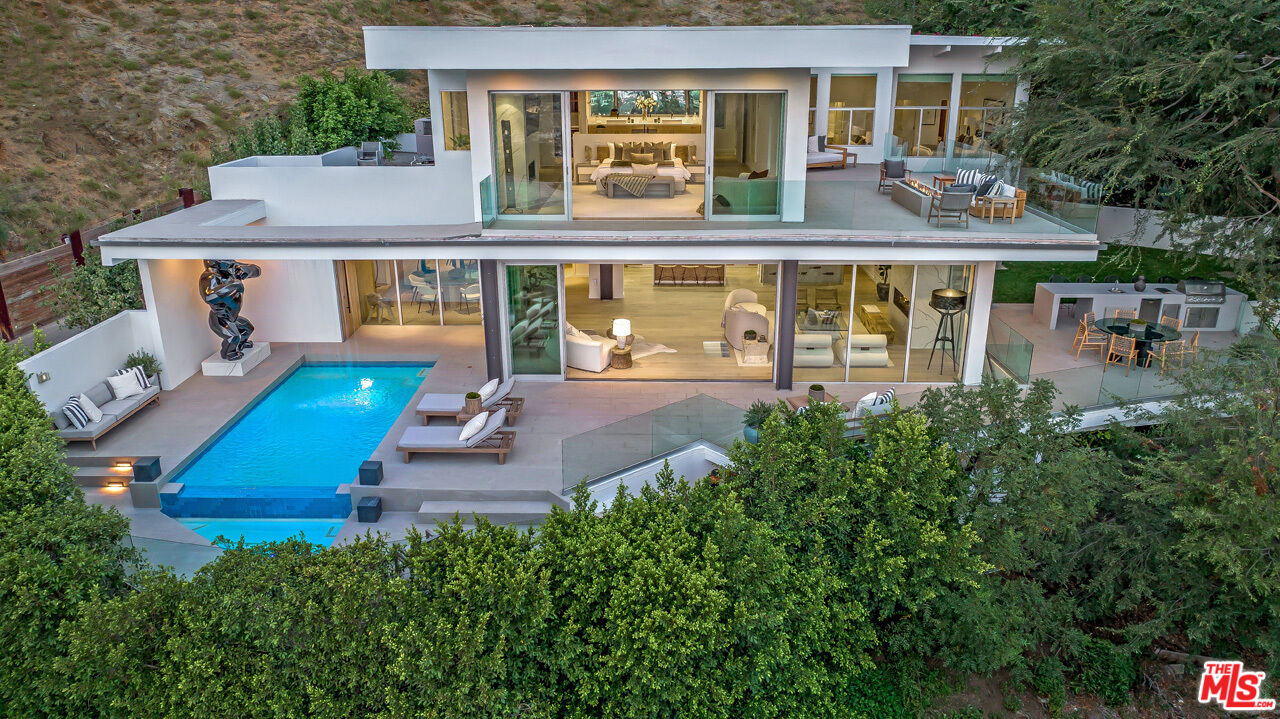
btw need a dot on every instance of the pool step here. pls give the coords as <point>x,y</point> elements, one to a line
<point>497,511</point>
<point>102,471</point>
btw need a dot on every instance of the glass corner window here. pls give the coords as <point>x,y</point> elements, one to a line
<point>456,121</point>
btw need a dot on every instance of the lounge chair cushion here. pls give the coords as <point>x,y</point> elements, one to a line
<point>441,403</point>
<point>124,385</point>
<point>90,430</point>
<point>99,393</point>
<point>488,389</point>
<point>121,407</point>
<point>473,425</point>
<point>430,438</point>
<point>499,394</point>
<point>863,404</point>
<point>494,424</point>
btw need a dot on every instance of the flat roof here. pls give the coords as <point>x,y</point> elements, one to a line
<point>526,47</point>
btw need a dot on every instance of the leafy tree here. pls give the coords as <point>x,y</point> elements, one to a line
<point>56,553</point>
<point>93,292</point>
<point>358,106</point>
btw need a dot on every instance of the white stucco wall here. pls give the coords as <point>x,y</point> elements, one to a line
<point>178,318</point>
<point>294,301</point>
<point>314,195</point>
<point>83,360</point>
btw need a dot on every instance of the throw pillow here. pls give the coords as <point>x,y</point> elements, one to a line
<point>650,170</point>
<point>613,152</point>
<point>139,374</point>
<point>74,414</point>
<point>642,158</point>
<point>1008,190</point>
<point>987,183</point>
<point>666,163</point>
<point>996,190</point>
<point>572,331</point>
<point>682,153</point>
<point>884,397</point>
<point>124,385</point>
<point>90,409</point>
<point>758,175</point>
<point>863,403</point>
<point>473,426</point>
<point>620,151</point>
<point>813,143</point>
<point>488,389</point>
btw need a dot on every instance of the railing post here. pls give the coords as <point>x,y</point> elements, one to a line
<point>77,246</point>
<point>6,324</point>
<point>188,196</point>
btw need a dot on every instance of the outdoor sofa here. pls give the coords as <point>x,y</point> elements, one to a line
<point>114,411</point>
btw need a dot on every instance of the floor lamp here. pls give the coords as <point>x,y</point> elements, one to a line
<point>949,304</point>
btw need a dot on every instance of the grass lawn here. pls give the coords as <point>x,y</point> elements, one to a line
<point>1018,282</point>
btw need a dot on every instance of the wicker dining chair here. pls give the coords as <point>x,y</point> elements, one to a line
<point>1123,351</point>
<point>1089,337</point>
<point>1171,321</point>
<point>1123,314</point>
<point>1168,354</point>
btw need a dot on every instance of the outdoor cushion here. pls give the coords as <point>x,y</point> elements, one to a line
<point>125,385</point>
<point>99,393</point>
<point>812,145</point>
<point>863,404</point>
<point>815,157</point>
<point>500,394</point>
<point>75,414</point>
<point>120,407</point>
<point>430,438</point>
<point>487,390</point>
<point>441,403</point>
<point>495,422</point>
<point>60,420</point>
<point>91,430</point>
<point>473,425</point>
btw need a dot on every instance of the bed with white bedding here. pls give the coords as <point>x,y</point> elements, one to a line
<point>606,168</point>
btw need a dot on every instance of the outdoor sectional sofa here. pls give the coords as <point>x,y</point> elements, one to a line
<point>114,411</point>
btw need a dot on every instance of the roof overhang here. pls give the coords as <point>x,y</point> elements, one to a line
<point>641,48</point>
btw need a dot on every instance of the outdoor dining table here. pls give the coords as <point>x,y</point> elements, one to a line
<point>1144,334</point>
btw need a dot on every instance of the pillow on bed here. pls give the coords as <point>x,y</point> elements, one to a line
<point>473,426</point>
<point>648,170</point>
<point>666,163</point>
<point>642,158</point>
<point>603,151</point>
<point>681,152</point>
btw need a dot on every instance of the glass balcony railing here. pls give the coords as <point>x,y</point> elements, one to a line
<point>614,447</point>
<point>183,558</point>
<point>1009,350</point>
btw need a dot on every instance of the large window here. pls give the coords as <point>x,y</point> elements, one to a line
<point>667,102</point>
<point>457,124</point>
<point>940,322</point>
<point>528,157</point>
<point>415,292</point>
<point>920,114</point>
<point>985,101</point>
<point>853,107</point>
<point>747,157</point>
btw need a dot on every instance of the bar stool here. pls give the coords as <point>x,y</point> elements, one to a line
<point>691,273</point>
<point>664,273</point>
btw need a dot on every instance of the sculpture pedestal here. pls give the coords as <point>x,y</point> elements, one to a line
<point>215,366</point>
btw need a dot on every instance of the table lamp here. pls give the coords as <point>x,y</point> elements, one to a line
<point>622,332</point>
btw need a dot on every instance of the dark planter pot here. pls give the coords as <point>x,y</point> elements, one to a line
<point>1140,284</point>
<point>882,291</point>
<point>751,434</point>
<point>818,394</point>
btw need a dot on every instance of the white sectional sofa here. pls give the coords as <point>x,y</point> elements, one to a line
<point>588,352</point>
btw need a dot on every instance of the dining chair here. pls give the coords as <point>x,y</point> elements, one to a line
<point>1193,349</point>
<point>826,298</point>
<point>424,291</point>
<point>1123,351</point>
<point>1168,354</point>
<point>1084,278</point>
<point>1123,314</point>
<point>1089,337</point>
<point>470,296</point>
<point>1057,278</point>
<point>1171,321</point>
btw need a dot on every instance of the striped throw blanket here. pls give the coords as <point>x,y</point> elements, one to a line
<point>634,184</point>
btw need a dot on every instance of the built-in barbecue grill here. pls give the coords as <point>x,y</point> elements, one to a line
<point>1203,292</point>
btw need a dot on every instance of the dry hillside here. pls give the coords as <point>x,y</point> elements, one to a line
<point>107,105</point>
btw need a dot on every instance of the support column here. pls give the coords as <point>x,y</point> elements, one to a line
<point>822,104</point>
<point>784,320</point>
<point>491,309</point>
<point>975,346</point>
<point>953,119</point>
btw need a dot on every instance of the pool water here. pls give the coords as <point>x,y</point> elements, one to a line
<point>256,531</point>
<point>286,456</point>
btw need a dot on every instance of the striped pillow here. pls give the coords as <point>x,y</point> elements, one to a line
<point>996,190</point>
<point>884,397</point>
<point>75,414</point>
<point>138,374</point>
<point>968,177</point>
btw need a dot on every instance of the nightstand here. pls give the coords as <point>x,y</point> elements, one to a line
<point>699,172</point>
<point>582,172</point>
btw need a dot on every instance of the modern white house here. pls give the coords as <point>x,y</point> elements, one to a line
<point>740,203</point>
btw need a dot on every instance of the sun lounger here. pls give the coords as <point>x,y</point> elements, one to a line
<point>451,405</point>
<point>490,439</point>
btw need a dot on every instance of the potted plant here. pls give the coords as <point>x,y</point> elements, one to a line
<point>471,403</point>
<point>749,335</point>
<point>147,361</point>
<point>754,418</point>
<point>817,392</point>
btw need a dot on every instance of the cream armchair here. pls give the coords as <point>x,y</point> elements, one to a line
<point>588,352</point>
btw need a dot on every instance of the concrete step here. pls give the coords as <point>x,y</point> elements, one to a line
<point>86,460</point>
<point>103,475</point>
<point>496,511</point>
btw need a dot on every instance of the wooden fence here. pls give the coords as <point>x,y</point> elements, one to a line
<point>26,284</point>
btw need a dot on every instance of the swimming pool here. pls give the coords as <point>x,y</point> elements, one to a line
<point>255,531</point>
<point>286,455</point>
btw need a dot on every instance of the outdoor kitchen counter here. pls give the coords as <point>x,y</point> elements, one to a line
<point>1151,304</point>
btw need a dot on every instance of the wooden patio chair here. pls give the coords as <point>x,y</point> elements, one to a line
<point>491,439</point>
<point>1123,314</point>
<point>1168,354</point>
<point>1170,321</point>
<point>1123,351</point>
<point>1089,337</point>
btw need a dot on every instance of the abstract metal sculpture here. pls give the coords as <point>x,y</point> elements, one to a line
<point>222,288</point>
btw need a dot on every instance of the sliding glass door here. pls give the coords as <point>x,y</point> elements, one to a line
<point>746,154</point>
<point>529,154</point>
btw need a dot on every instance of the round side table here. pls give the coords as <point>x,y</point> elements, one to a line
<point>620,359</point>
